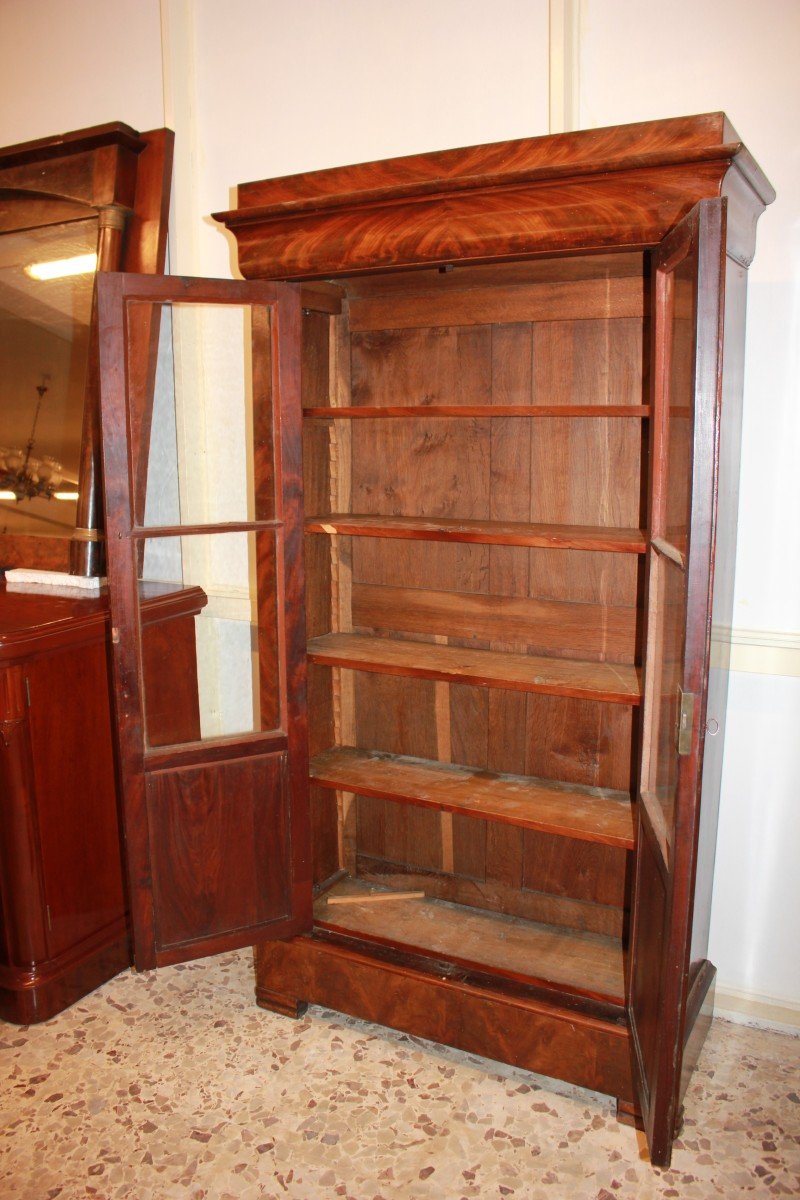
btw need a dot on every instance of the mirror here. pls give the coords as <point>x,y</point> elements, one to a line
<point>44,347</point>
<point>100,195</point>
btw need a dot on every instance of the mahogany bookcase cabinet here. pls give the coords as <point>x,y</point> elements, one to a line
<point>520,372</point>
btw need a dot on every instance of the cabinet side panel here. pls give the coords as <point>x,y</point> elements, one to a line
<point>722,608</point>
<point>21,882</point>
<point>76,793</point>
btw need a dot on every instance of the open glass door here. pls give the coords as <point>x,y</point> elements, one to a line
<point>204,512</point>
<point>688,276</point>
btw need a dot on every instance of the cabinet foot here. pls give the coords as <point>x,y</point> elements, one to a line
<point>275,1002</point>
<point>628,1114</point>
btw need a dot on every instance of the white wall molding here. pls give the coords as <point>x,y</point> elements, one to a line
<point>229,603</point>
<point>566,20</point>
<point>747,1008</point>
<point>180,115</point>
<point>756,651</point>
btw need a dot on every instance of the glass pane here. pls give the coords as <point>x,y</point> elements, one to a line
<point>678,482</point>
<point>207,673</point>
<point>669,588</point>
<point>46,282</point>
<point>195,462</point>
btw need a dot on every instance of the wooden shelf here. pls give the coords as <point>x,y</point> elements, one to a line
<point>502,533</point>
<point>584,813</point>
<point>416,411</point>
<point>584,964</point>
<point>616,683</point>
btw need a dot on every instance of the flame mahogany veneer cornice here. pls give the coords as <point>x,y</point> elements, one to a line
<point>620,187</point>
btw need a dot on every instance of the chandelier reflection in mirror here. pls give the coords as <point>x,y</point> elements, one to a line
<point>21,472</point>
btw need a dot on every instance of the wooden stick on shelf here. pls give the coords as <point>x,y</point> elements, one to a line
<point>375,897</point>
<point>512,947</point>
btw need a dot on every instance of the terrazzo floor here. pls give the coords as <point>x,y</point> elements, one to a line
<point>174,1084</point>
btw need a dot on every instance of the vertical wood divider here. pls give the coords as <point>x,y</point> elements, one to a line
<point>445,754</point>
<point>343,682</point>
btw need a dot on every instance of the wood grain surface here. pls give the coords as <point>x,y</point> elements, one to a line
<point>418,412</point>
<point>618,683</point>
<point>555,627</point>
<point>503,533</point>
<point>567,1037</point>
<point>581,963</point>
<point>590,814</point>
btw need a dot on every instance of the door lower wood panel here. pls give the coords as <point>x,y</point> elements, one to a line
<point>218,862</point>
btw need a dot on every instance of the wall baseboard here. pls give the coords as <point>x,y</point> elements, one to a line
<point>766,1012</point>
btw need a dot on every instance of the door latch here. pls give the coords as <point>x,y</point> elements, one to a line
<point>685,721</point>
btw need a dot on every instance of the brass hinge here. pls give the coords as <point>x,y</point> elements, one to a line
<point>28,690</point>
<point>49,918</point>
<point>685,721</point>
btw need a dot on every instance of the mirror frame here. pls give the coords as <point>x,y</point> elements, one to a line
<point>122,178</point>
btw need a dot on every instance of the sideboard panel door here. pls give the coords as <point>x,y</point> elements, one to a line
<point>215,809</point>
<point>688,277</point>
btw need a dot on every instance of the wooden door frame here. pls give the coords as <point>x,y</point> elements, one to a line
<point>277,467</point>
<point>704,229</point>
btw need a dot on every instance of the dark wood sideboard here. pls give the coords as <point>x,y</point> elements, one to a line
<point>63,908</point>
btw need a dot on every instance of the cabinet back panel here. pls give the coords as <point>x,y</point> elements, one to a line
<point>580,741</point>
<point>544,362</point>
<point>568,471</point>
<point>446,567</point>
<point>589,631</point>
<point>496,895</point>
<point>582,870</point>
<point>319,581</point>
<point>590,362</point>
<point>552,737</point>
<point>320,704</point>
<point>315,376</point>
<point>558,333</point>
<point>583,576</point>
<point>405,839</point>
<point>396,714</point>
<point>435,468</point>
<point>586,577</point>
<point>317,484</point>
<point>400,833</point>
<point>433,280</point>
<point>441,365</point>
<point>547,301</point>
<point>587,471</point>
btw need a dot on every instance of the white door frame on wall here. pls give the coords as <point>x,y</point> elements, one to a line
<point>566,24</point>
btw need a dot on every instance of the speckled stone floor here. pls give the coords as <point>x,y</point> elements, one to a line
<point>175,1084</point>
